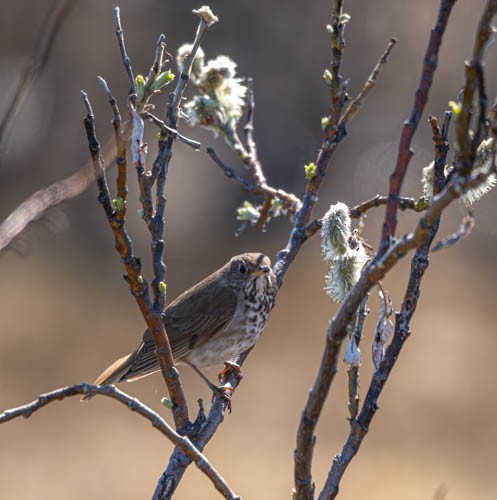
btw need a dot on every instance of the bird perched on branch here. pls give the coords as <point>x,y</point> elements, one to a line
<point>211,323</point>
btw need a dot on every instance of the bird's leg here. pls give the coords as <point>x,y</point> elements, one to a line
<point>224,391</point>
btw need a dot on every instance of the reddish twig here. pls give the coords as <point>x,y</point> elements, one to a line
<point>136,406</point>
<point>421,97</point>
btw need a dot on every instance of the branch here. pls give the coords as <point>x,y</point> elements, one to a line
<point>124,55</point>
<point>463,231</point>
<point>138,285</point>
<point>421,97</point>
<point>474,81</point>
<point>46,38</point>
<point>337,330</point>
<point>419,264</point>
<point>334,132</point>
<point>179,462</point>
<point>357,103</point>
<point>136,406</point>
<point>169,131</point>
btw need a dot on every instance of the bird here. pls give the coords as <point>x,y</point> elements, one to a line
<point>211,323</point>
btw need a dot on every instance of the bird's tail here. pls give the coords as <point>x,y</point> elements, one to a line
<point>113,373</point>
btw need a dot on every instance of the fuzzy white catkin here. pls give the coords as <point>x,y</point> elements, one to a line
<point>344,273</point>
<point>483,164</point>
<point>198,61</point>
<point>335,232</point>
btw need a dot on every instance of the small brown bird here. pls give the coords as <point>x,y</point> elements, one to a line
<point>211,323</point>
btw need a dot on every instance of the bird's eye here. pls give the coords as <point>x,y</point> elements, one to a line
<point>242,268</point>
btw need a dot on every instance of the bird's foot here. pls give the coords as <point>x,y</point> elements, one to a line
<point>230,367</point>
<point>226,392</point>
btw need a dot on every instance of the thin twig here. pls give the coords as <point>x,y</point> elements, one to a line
<point>421,97</point>
<point>463,231</point>
<point>169,131</point>
<point>473,82</point>
<point>249,124</point>
<point>419,264</point>
<point>136,406</point>
<point>121,139</point>
<point>289,200</point>
<point>337,331</point>
<point>353,371</point>
<point>160,170</point>
<point>124,55</point>
<point>137,283</point>
<point>357,103</point>
<point>46,38</point>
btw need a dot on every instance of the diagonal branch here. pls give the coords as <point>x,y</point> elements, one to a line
<point>136,406</point>
<point>48,33</point>
<point>420,99</point>
<point>419,265</point>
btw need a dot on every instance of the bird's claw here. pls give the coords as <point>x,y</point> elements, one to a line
<point>226,392</point>
<point>230,367</point>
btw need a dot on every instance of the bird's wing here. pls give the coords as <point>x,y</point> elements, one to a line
<point>198,314</point>
<point>190,320</point>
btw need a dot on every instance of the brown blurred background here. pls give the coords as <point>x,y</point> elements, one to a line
<point>65,305</point>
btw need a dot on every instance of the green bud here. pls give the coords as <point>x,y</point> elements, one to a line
<point>139,279</point>
<point>119,204</point>
<point>167,403</point>
<point>328,77</point>
<point>310,171</point>
<point>325,121</point>
<point>247,212</point>
<point>163,79</point>
<point>329,29</point>
<point>140,85</point>
<point>162,287</point>
<point>456,107</point>
<point>294,494</point>
<point>344,18</point>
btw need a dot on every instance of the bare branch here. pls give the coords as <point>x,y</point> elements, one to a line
<point>169,131</point>
<point>136,406</point>
<point>124,55</point>
<point>419,264</point>
<point>46,38</point>
<point>421,97</point>
<point>463,231</point>
<point>357,103</point>
<point>137,283</point>
<point>473,81</point>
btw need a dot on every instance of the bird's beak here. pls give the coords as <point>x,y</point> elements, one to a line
<point>262,270</point>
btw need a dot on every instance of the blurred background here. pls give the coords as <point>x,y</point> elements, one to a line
<point>65,306</point>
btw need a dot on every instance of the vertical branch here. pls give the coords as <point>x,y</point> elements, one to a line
<point>124,55</point>
<point>473,82</point>
<point>420,99</point>
<point>121,139</point>
<point>419,264</point>
<point>136,281</point>
<point>353,371</point>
